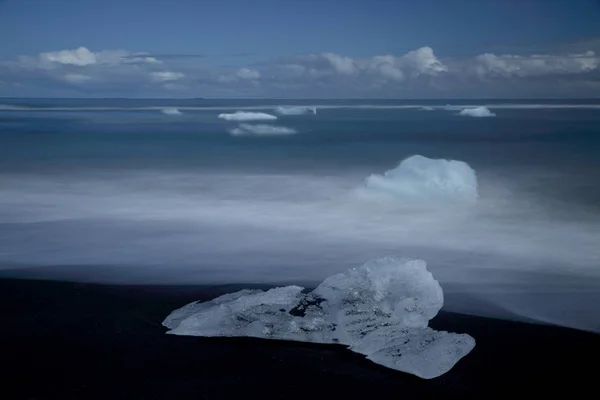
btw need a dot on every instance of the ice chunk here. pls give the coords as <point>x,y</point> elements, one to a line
<point>380,309</point>
<point>247,116</point>
<point>477,112</point>
<point>170,111</point>
<point>295,110</point>
<point>426,108</point>
<point>262,130</point>
<point>423,179</point>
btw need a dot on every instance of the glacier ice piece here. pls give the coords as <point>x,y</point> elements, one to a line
<point>247,116</point>
<point>421,179</point>
<point>380,309</point>
<point>477,112</point>
<point>262,130</point>
<point>295,110</point>
<point>170,111</point>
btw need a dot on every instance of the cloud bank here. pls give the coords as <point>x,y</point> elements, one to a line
<point>416,74</point>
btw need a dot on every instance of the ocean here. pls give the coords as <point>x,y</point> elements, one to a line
<point>166,192</point>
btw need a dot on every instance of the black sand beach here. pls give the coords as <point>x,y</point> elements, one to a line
<point>77,341</point>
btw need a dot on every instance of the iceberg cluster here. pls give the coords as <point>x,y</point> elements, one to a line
<point>380,309</point>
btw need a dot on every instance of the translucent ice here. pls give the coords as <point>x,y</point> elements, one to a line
<point>292,110</point>
<point>380,309</point>
<point>420,179</point>
<point>247,116</point>
<point>477,112</point>
<point>170,111</point>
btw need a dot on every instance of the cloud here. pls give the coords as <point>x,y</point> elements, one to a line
<point>262,130</point>
<point>418,73</point>
<point>76,78</point>
<point>506,66</point>
<point>165,76</point>
<point>247,73</point>
<point>80,57</point>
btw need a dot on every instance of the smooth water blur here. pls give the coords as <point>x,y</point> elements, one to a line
<point>118,191</point>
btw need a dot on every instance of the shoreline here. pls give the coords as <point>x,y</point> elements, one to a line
<point>80,340</point>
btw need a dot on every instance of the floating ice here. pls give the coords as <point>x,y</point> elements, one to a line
<point>426,108</point>
<point>295,110</point>
<point>380,309</point>
<point>262,130</point>
<point>477,112</point>
<point>170,111</point>
<point>423,179</point>
<point>247,116</point>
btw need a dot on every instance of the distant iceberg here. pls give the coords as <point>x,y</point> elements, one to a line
<point>170,111</point>
<point>426,108</point>
<point>247,116</point>
<point>421,179</point>
<point>380,309</point>
<point>262,130</point>
<point>477,112</point>
<point>295,110</point>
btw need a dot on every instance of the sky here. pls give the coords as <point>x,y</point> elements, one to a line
<point>300,49</point>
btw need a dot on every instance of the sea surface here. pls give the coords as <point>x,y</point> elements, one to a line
<point>166,192</point>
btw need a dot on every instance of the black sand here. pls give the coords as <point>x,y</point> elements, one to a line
<point>77,341</point>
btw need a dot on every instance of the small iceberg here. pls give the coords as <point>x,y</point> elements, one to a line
<point>170,111</point>
<point>247,116</point>
<point>295,110</point>
<point>477,112</point>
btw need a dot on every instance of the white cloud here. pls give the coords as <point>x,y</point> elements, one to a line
<point>508,65</point>
<point>424,61</point>
<point>79,57</point>
<point>76,78</point>
<point>341,65</point>
<point>246,73</point>
<point>417,73</point>
<point>166,76</point>
<point>82,57</point>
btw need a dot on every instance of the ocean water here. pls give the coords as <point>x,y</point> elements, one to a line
<point>166,192</point>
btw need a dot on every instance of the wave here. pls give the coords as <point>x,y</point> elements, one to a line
<point>299,226</point>
<point>295,110</point>
<point>421,179</point>
<point>170,111</point>
<point>477,112</point>
<point>247,116</point>
<point>262,130</point>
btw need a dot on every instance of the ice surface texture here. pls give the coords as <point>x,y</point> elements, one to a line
<point>380,309</point>
<point>423,179</point>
